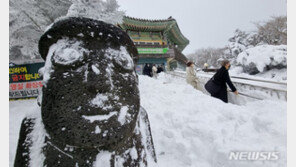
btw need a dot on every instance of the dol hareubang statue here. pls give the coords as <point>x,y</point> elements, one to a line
<point>90,109</point>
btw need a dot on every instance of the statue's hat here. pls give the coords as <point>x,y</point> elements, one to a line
<point>94,34</point>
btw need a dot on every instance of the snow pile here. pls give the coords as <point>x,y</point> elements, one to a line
<point>38,136</point>
<point>18,110</point>
<point>190,128</point>
<point>276,74</point>
<point>263,58</point>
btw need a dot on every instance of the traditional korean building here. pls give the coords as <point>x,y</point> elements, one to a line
<point>158,42</point>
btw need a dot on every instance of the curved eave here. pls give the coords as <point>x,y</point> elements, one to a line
<point>168,26</point>
<point>175,36</point>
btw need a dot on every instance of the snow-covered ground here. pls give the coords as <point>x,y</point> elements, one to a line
<point>190,128</point>
<point>17,111</point>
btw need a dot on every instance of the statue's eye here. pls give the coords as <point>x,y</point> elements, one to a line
<point>121,57</point>
<point>67,56</point>
<point>67,52</point>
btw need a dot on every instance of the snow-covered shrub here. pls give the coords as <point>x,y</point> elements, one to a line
<point>237,43</point>
<point>263,58</point>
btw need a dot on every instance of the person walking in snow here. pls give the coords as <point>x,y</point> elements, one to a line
<point>219,81</point>
<point>154,71</point>
<point>191,76</point>
<point>206,66</point>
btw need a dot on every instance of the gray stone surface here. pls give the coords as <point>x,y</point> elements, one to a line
<point>90,101</point>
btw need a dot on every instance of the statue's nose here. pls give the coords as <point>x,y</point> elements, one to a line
<point>98,80</point>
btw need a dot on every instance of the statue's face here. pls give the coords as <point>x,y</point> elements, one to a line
<point>91,96</point>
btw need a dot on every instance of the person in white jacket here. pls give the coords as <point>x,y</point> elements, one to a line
<point>191,76</point>
<point>154,71</point>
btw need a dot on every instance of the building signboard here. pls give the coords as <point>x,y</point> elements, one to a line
<point>152,50</point>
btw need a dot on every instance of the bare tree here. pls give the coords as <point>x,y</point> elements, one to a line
<point>211,56</point>
<point>274,32</point>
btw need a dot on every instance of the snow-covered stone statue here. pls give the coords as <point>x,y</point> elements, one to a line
<point>90,109</point>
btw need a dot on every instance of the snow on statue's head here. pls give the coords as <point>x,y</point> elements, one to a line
<point>90,94</point>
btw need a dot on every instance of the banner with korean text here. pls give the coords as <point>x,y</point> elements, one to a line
<point>24,80</point>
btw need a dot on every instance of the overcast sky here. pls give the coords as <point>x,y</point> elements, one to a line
<point>207,23</point>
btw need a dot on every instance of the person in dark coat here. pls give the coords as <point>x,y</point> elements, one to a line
<point>221,78</point>
<point>146,70</point>
<point>150,70</point>
<point>159,69</point>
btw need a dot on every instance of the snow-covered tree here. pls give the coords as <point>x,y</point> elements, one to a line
<point>106,11</point>
<point>27,21</point>
<point>242,40</point>
<point>273,32</point>
<point>255,52</point>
